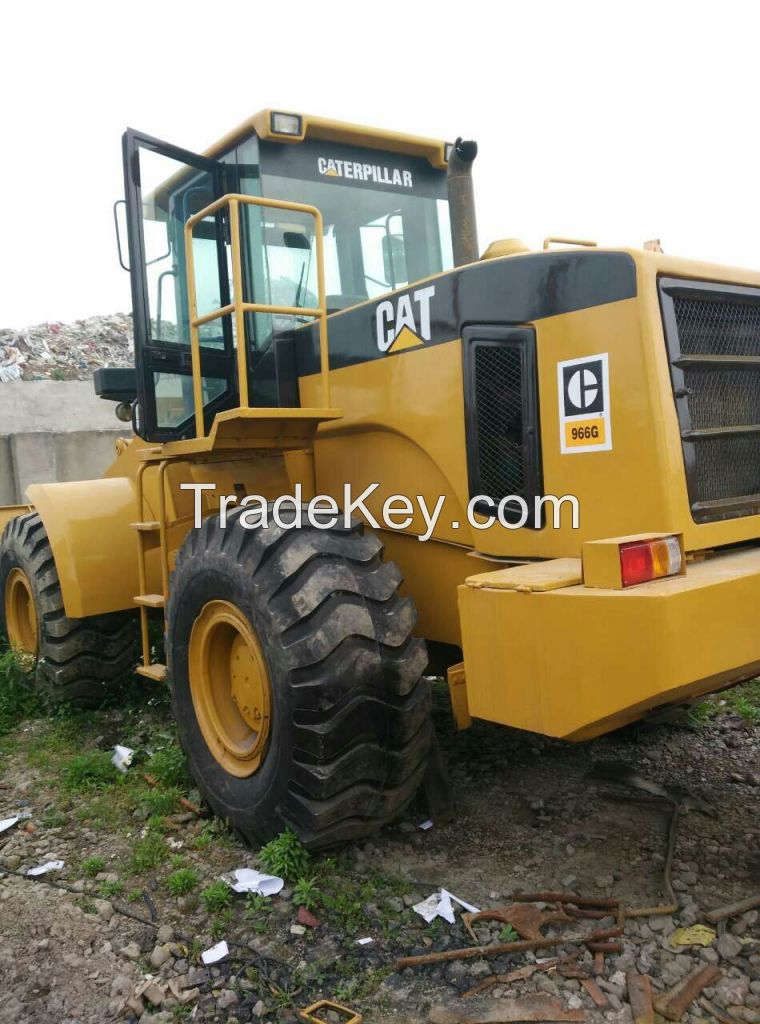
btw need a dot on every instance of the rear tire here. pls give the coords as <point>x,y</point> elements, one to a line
<point>77,660</point>
<point>348,732</point>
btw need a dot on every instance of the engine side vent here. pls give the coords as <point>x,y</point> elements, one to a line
<point>502,414</point>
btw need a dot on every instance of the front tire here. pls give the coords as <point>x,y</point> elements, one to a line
<point>77,660</point>
<point>322,721</point>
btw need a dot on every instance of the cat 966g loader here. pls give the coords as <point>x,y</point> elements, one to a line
<point>575,432</point>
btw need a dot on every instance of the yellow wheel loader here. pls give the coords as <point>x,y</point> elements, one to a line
<point>541,468</point>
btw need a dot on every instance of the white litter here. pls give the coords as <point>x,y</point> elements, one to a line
<point>249,880</point>
<point>42,869</point>
<point>439,904</point>
<point>122,757</point>
<point>365,942</point>
<point>425,825</point>
<point>7,823</point>
<point>217,952</point>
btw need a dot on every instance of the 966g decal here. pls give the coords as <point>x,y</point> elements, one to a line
<point>584,405</point>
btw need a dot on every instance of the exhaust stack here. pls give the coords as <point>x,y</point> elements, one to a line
<point>464,228</point>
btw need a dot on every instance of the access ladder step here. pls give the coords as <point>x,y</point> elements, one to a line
<point>150,600</point>
<point>146,527</point>
<point>156,672</point>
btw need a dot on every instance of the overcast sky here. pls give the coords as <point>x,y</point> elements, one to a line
<point>617,122</point>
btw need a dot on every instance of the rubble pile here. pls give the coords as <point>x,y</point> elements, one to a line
<point>56,351</point>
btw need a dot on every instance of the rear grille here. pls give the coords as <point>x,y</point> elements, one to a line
<point>713,338</point>
<point>501,419</point>
<point>498,410</point>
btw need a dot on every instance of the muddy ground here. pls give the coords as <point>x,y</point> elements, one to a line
<point>528,817</point>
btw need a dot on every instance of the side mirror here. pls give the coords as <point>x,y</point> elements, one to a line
<point>394,259</point>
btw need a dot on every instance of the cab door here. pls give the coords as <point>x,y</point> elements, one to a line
<point>164,186</point>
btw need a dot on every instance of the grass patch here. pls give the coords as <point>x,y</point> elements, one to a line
<point>92,866</point>
<point>743,701</point>
<point>110,889</point>
<point>92,770</point>
<point>182,881</point>
<point>159,801</point>
<point>149,853</point>
<point>257,911</point>
<point>216,897</point>
<point>285,856</point>
<point>18,699</point>
<point>220,924</point>
<point>170,768</point>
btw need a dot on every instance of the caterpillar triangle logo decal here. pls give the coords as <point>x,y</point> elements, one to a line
<point>403,321</point>
<point>405,339</point>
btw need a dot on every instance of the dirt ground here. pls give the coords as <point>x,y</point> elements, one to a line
<point>528,817</point>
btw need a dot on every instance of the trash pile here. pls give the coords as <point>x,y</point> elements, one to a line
<point>56,351</point>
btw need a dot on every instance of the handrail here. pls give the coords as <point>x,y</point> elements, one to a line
<point>238,308</point>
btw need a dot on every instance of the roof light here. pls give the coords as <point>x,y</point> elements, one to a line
<point>286,124</point>
<point>644,560</point>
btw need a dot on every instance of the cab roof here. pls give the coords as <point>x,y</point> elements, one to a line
<point>324,128</point>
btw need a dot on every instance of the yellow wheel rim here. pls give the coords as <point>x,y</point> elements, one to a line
<point>230,689</point>
<point>21,613</point>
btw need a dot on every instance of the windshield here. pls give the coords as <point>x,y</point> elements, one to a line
<point>385,217</point>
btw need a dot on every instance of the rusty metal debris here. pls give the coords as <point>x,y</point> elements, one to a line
<point>604,947</point>
<point>573,971</point>
<point>598,962</point>
<point>530,921</point>
<point>348,1016</point>
<point>496,949</point>
<point>640,997</point>
<point>536,1007</point>
<point>521,974</point>
<point>673,1004</point>
<point>526,918</point>
<point>599,998</point>
<point>733,909</point>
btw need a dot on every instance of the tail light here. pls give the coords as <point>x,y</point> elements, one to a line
<point>644,560</point>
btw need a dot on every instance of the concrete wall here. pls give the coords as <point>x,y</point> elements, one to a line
<point>53,430</point>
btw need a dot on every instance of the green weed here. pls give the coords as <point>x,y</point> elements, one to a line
<point>149,853</point>
<point>182,881</point>
<point>110,889</point>
<point>306,893</point>
<point>92,770</point>
<point>285,856</point>
<point>18,699</point>
<point>216,897</point>
<point>170,767</point>
<point>91,866</point>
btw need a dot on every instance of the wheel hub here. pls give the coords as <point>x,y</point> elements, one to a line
<point>21,613</point>
<point>230,688</point>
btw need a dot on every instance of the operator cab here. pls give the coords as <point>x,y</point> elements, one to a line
<point>385,223</point>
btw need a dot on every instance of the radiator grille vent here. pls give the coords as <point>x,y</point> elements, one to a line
<point>713,337</point>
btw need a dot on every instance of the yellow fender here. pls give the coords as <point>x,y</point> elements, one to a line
<point>94,547</point>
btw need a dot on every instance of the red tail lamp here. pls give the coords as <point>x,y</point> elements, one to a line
<point>644,560</point>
